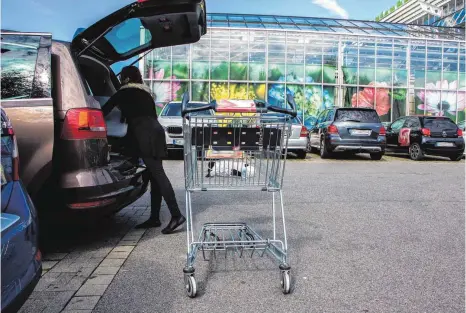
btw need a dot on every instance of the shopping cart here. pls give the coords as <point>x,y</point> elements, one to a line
<point>246,151</point>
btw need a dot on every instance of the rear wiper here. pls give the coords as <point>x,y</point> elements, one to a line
<point>351,120</point>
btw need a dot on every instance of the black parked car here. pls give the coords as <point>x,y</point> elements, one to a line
<point>421,135</point>
<point>53,92</point>
<point>354,130</point>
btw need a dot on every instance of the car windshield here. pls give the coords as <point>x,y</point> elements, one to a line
<point>439,123</point>
<point>362,116</point>
<point>174,109</point>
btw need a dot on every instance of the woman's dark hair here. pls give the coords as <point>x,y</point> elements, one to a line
<point>130,74</point>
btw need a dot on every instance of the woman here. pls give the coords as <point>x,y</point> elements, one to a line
<point>137,106</point>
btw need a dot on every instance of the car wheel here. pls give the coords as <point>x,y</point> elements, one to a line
<point>324,153</point>
<point>415,152</point>
<point>456,157</point>
<point>376,156</point>
<point>301,154</point>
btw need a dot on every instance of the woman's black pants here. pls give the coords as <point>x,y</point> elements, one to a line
<point>160,187</point>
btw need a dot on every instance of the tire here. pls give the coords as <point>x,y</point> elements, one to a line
<point>190,286</point>
<point>456,157</point>
<point>324,153</point>
<point>301,154</point>
<point>285,282</point>
<point>415,152</point>
<point>376,156</point>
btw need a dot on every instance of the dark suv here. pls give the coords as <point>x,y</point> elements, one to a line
<point>53,92</point>
<point>355,130</point>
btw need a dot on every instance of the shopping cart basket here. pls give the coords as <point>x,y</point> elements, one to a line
<point>241,152</point>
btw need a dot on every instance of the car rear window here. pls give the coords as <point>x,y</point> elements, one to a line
<point>174,109</point>
<point>439,123</point>
<point>362,116</point>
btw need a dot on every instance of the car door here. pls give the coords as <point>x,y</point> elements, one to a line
<point>393,132</point>
<point>316,130</point>
<point>142,26</point>
<point>26,98</point>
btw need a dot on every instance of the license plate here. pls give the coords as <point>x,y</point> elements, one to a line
<point>360,132</point>
<point>445,144</point>
<point>178,142</point>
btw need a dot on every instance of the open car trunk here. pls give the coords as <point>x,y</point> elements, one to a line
<point>129,32</point>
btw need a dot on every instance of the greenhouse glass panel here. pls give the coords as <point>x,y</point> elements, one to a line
<point>399,97</point>
<point>200,91</point>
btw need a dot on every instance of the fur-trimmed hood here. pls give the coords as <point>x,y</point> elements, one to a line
<point>138,86</point>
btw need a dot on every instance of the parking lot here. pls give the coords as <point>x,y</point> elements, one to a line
<point>364,236</point>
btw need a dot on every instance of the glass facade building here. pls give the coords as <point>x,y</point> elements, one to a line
<point>395,68</point>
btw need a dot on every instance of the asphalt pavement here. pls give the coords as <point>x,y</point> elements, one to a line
<point>364,236</point>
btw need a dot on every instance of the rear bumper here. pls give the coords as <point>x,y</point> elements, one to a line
<point>298,144</point>
<point>429,146</point>
<point>337,144</point>
<point>102,190</point>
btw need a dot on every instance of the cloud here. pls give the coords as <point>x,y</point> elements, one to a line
<point>332,6</point>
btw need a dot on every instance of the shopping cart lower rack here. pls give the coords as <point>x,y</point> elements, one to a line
<point>235,153</point>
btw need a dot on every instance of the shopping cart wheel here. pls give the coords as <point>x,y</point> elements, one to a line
<point>285,278</point>
<point>190,285</point>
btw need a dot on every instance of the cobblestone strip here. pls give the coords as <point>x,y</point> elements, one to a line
<point>74,282</point>
<point>94,287</point>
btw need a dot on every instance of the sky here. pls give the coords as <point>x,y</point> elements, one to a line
<point>63,17</point>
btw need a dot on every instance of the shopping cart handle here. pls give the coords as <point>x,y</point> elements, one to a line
<point>184,106</point>
<point>292,112</point>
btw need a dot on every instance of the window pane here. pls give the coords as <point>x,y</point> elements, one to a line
<point>219,54</point>
<point>180,55</point>
<point>257,48</point>
<point>240,92</point>
<point>366,62</point>
<point>350,97</point>
<point>276,56</point>
<point>258,90</point>
<point>161,63</point>
<point>178,89</point>
<point>398,97</point>
<point>276,94</point>
<point>295,58</point>
<point>238,55</point>
<point>21,78</point>
<point>313,105</point>
<point>218,91</point>
<point>434,64</point>
<point>200,91</point>
<point>350,62</point>
<point>297,91</point>
<point>449,104</point>
<point>313,73</point>
<point>418,64</point>
<point>200,70</point>
<point>219,70</point>
<point>162,91</point>
<point>330,59</point>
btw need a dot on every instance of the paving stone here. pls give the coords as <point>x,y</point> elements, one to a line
<point>66,268</point>
<point>100,279</point>
<point>123,249</point>
<point>72,285</point>
<point>54,256</point>
<point>77,311</point>
<point>48,302</point>
<point>112,262</point>
<point>46,265</point>
<point>106,270</point>
<point>89,289</point>
<point>85,272</point>
<point>128,242</point>
<point>93,262</point>
<point>118,255</point>
<point>82,303</point>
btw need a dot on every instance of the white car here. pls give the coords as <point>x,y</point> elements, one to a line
<point>171,120</point>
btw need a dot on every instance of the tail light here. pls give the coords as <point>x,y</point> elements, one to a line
<point>91,204</point>
<point>382,131</point>
<point>460,132</point>
<point>83,124</point>
<point>332,129</point>
<point>425,132</point>
<point>10,157</point>
<point>304,132</point>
